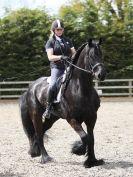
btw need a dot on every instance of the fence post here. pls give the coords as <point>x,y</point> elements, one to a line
<point>130,88</point>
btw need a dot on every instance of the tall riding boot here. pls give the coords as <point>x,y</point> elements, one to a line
<point>46,114</point>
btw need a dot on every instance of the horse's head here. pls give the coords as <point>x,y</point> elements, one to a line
<point>94,61</point>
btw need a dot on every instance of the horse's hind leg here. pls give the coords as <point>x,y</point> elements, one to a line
<point>39,132</point>
<point>28,127</point>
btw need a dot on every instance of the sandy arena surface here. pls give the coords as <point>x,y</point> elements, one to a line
<point>113,142</point>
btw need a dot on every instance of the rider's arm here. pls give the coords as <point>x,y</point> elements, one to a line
<point>73,50</point>
<point>52,57</point>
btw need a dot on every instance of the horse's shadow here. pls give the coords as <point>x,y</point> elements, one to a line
<point>108,165</point>
<point>10,174</point>
<point>119,164</point>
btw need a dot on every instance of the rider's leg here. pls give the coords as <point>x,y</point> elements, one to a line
<point>55,74</point>
<point>48,104</point>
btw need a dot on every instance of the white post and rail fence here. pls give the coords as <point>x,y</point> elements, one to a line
<point>107,88</point>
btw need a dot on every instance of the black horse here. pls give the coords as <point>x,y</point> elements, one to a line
<point>78,104</point>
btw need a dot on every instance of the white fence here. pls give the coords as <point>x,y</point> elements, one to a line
<point>109,87</point>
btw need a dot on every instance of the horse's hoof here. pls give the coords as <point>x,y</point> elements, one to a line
<point>89,164</point>
<point>34,152</point>
<point>78,148</point>
<point>46,159</point>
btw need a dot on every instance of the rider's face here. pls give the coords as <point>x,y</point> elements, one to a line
<point>59,31</point>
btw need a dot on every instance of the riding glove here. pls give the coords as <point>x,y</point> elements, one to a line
<point>64,58</point>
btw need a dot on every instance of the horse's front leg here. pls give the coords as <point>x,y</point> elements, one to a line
<point>79,147</point>
<point>91,159</point>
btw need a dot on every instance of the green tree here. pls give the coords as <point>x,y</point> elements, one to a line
<point>118,34</point>
<point>72,16</point>
<point>113,22</point>
<point>23,34</point>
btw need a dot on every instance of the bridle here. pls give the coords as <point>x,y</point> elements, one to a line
<point>71,64</point>
<point>92,68</point>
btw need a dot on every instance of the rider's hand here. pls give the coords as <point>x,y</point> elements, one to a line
<point>64,58</point>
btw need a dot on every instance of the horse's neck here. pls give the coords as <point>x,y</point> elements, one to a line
<point>83,83</point>
<point>81,80</point>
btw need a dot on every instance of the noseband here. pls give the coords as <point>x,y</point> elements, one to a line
<point>92,68</point>
<point>91,71</point>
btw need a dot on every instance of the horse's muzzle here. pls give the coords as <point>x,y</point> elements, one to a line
<point>100,74</point>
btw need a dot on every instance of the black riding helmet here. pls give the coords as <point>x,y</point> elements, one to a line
<point>57,24</point>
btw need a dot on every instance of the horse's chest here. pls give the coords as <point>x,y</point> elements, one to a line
<point>81,106</point>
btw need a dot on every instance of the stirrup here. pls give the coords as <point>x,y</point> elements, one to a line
<point>46,114</point>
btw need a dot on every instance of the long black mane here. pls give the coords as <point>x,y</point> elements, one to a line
<point>76,56</point>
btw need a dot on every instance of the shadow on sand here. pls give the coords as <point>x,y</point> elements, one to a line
<point>120,164</point>
<point>10,174</point>
<point>107,165</point>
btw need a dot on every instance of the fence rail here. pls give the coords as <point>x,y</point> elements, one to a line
<point>109,87</point>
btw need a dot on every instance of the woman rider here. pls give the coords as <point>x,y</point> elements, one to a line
<point>58,48</point>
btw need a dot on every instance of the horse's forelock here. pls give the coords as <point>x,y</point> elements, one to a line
<point>98,49</point>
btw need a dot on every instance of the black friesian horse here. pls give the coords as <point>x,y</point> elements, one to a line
<point>79,104</point>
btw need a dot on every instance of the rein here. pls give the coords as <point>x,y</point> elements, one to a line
<point>85,70</point>
<point>90,72</point>
<point>81,69</point>
<point>70,62</point>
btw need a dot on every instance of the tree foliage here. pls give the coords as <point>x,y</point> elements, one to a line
<point>111,21</point>
<point>23,34</point>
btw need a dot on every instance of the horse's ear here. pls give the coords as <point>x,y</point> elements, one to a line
<point>100,41</point>
<point>90,42</point>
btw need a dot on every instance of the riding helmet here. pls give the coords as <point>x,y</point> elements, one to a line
<point>57,24</point>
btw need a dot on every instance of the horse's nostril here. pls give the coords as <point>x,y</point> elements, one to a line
<point>99,75</point>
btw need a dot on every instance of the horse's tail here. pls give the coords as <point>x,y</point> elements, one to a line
<point>28,126</point>
<point>25,117</point>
